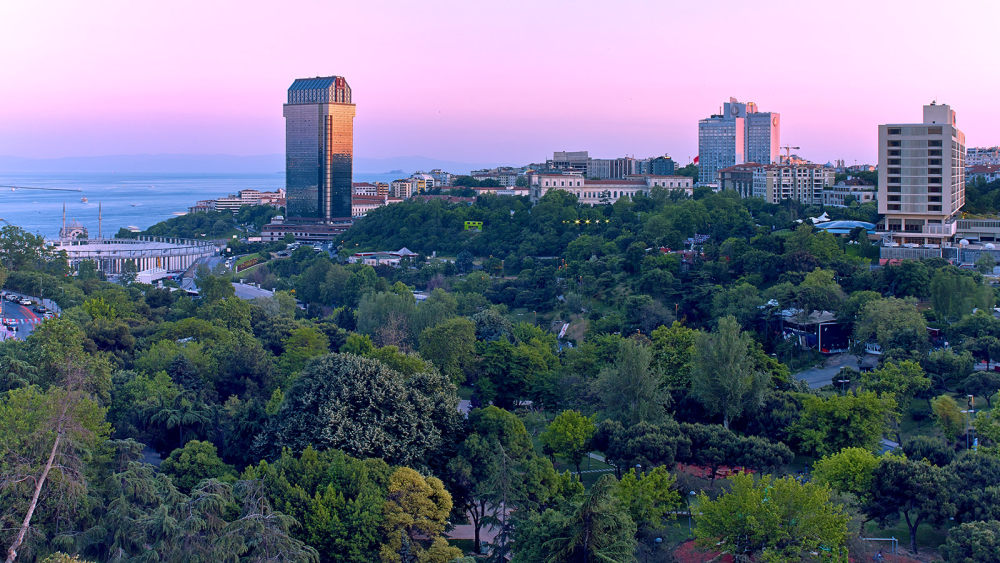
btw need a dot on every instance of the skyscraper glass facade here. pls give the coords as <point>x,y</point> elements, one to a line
<point>319,149</point>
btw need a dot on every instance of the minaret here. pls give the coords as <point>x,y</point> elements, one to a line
<point>62,232</point>
<point>100,219</point>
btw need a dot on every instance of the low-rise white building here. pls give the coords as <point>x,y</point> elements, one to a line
<point>838,193</point>
<point>390,258</point>
<point>595,192</point>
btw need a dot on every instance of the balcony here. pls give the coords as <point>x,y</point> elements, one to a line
<point>943,230</point>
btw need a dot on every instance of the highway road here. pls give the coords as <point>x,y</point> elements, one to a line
<point>24,318</point>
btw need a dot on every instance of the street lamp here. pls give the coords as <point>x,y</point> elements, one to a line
<point>690,496</point>
<point>971,411</point>
<point>843,385</point>
<point>638,469</point>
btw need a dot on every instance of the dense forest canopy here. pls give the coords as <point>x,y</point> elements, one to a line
<point>568,384</point>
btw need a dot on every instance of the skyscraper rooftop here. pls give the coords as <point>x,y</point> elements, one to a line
<point>319,90</point>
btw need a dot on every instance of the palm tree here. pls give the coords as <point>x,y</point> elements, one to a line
<point>180,413</point>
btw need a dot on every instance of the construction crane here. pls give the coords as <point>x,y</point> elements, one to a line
<point>788,152</point>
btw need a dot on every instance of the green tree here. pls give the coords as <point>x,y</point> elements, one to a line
<point>892,323</point>
<point>300,346</point>
<point>723,376</point>
<point>972,542</point>
<point>849,471</point>
<point>47,438</point>
<point>982,384</point>
<point>948,416</point>
<point>643,444</point>
<point>916,490</point>
<point>366,409</point>
<point>648,498</point>
<point>974,478</point>
<point>630,389</point>
<point>213,288</point>
<point>954,294</point>
<point>599,529</point>
<point>496,434</point>
<point>771,519</point>
<point>568,437</point>
<point>985,263</point>
<point>386,317</point>
<point>195,462</point>
<point>451,346</point>
<point>416,508</point>
<point>826,426</point>
<point>901,380</point>
<point>338,500</point>
<point>819,291</point>
<point>673,350</point>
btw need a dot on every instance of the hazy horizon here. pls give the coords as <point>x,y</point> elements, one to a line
<point>481,83</point>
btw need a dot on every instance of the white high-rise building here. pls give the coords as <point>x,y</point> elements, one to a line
<point>921,177</point>
<point>737,135</point>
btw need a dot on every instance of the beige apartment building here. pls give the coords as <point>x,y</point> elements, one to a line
<point>921,177</point>
<point>800,182</point>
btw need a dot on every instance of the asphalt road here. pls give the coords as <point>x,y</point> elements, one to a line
<point>23,317</point>
<point>820,377</point>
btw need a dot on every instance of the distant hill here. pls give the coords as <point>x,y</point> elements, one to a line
<point>148,163</point>
<point>214,163</point>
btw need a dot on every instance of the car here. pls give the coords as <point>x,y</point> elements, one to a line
<point>12,298</point>
<point>25,301</point>
<point>38,309</point>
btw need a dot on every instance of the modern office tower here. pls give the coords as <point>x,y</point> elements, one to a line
<point>921,177</point>
<point>662,166</point>
<point>739,134</point>
<point>319,149</point>
<point>763,130</point>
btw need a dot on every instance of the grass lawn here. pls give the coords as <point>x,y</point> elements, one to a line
<point>927,535</point>
<point>597,469</point>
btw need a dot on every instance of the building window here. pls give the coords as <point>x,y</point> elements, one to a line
<point>934,143</point>
<point>895,131</point>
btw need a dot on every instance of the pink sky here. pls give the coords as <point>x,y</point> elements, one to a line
<point>506,81</point>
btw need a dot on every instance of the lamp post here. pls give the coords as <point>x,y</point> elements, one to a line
<point>690,496</point>
<point>971,412</point>
<point>843,385</point>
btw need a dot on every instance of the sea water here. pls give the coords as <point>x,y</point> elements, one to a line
<point>124,200</point>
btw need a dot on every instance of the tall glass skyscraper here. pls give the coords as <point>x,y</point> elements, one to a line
<point>319,149</point>
<point>737,135</point>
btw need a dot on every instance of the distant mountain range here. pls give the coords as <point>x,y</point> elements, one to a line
<point>215,164</point>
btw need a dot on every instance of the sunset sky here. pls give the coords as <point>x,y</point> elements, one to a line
<point>505,82</point>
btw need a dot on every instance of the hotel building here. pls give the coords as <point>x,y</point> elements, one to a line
<point>319,149</point>
<point>921,177</point>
